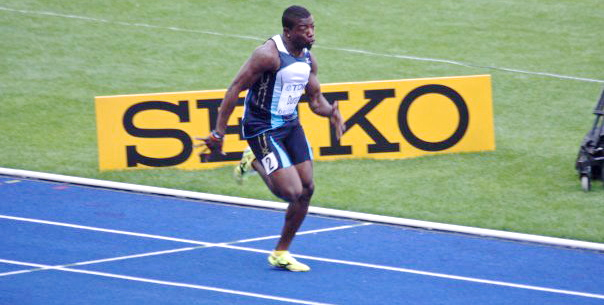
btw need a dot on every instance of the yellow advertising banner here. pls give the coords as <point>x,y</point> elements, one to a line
<point>384,120</point>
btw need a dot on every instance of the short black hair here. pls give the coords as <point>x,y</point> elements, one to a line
<point>293,13</point>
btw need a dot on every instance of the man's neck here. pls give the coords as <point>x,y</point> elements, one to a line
<point>290,47</point>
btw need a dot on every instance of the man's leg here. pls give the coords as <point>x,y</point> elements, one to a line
<point>257,166</point>
<point>294,185</point>
<point>291,181</point>
<point>301,193</point>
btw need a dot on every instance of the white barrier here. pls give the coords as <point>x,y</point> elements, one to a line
<point>313,210</point>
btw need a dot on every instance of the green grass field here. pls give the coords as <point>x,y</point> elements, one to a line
<point>58,55</point>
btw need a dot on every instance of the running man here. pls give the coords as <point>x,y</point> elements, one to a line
<point>277,74</point>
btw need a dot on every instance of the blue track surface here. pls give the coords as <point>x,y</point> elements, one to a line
<point>164,250</point>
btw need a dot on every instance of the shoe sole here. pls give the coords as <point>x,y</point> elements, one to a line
<point>273,262</point>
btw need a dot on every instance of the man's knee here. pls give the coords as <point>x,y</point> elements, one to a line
<point>298,194</point>
<point>291,193</point>
<point>307,191</point>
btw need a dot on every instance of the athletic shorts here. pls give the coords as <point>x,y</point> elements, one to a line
<point>281,147</point>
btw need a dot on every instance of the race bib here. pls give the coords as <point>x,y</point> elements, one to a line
<point>270,163</point>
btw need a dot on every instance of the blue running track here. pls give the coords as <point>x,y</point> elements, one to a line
<point>69,244</point>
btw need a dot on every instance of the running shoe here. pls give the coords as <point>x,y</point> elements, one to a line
<point>286,261</point>
<point>244,168</point>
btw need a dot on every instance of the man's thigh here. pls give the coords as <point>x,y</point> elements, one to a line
<point>281,148</point>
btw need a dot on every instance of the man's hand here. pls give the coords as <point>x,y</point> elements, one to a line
<point>211,144</point>
<point>336,120</point>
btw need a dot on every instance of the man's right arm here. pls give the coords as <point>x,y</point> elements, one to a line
<point>264,58</point>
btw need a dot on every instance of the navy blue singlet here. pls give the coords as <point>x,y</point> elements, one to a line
<point>272,101</point>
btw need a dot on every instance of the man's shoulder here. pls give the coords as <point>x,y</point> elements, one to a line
<point>267,54</point>
<point>268,48</point>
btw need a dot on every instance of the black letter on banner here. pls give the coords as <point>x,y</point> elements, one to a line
<point>464,117</point>
<point>212,106</point>
<point>181,110</point>
<point>381,143</point>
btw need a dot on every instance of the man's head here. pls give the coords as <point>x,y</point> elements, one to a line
<point>298,26</point>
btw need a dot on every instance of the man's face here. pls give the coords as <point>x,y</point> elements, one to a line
<point>303,33</point>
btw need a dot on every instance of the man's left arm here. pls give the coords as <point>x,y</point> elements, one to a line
<point>319,104</point>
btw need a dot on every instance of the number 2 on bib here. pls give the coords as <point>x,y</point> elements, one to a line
<point>270,163</point>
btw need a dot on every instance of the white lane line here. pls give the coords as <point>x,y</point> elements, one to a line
<point>203,244</point>
<point>456,277</point>
<point>207,244</point>
<point>300,233</point>
<point>348,50</point>
<point>98,261</point>
<point>166,283</point>
<point>143,25</point>
<point>62,224</point>
<point>432,274</point>
<point>335,261</point>
<point>465,64</point>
